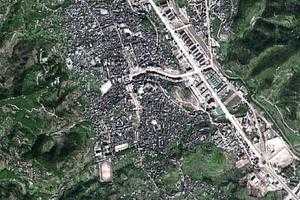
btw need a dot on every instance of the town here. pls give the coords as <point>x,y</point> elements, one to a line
<point>113,42</point>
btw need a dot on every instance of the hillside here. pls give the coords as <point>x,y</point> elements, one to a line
<point>264,52</point>
<point>42,129</point>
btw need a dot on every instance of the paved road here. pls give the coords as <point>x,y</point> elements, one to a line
<point>239,129</point>
<point>196,68</point>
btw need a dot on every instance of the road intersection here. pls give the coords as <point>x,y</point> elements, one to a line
<point>264,164</point>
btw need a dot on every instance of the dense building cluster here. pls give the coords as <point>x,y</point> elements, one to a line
<point>110,41</point>
<point>140,56</point>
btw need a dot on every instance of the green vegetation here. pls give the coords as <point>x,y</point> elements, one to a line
<point>42,128</point>
<point>289,135</point>
<point>133,180</point>
<point>264,52</point>
<point>6,174</point>
<point>127,158</point>
<point>181,3</point>
<point>239,110</point>
<point>44,135</point>
<point>147,24</point>
<point>243,195</point>
<point>171,180</point>
<point>130,182</point>
<point>248,11</point>
<point>29,19</point>
<point>269,58</point>
<point>215,25</point>
<point>208,163</point>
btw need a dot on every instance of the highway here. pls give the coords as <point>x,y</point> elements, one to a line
<point>195,65</point>
<point>239,129</point>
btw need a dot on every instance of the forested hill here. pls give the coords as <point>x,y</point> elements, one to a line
<point>264,50</point>
<point>42,129</point>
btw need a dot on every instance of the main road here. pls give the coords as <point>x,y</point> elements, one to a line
<point>239,129</point>
<point>196,69</point>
